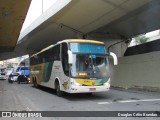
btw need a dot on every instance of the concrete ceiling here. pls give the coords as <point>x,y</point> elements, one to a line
<point>73,18</point>
<point>140,21</point>
<point>12,16</point>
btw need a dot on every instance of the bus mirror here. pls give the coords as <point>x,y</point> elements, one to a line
<point>114,58</point>
<point>70,57</point>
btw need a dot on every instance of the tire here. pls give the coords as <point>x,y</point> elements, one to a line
<point>58,91</point>
<point>10,81</point>
<point>18,82</point>
<point>19,79</point>
<point>35,83</point>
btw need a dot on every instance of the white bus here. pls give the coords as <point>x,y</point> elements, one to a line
<point>72,66</point>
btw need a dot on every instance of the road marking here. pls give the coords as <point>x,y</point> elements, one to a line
<point>129,101</point>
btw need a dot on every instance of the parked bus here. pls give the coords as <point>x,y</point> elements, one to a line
<point>72,66</point>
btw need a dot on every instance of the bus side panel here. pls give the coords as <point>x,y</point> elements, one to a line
<point>47,73</point>
<point>51,71</point>
<point>37,72</point>
<point>57,73</point>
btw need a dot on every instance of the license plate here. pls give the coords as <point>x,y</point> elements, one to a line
<point>92,89</point>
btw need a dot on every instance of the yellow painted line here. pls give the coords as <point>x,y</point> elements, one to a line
<point>83,41</point>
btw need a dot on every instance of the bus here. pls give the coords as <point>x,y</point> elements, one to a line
<point>72,66</point>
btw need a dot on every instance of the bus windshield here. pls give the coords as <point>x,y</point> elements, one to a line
<point>89,61</point>
<point>89,66</point>
<point>88,48</point>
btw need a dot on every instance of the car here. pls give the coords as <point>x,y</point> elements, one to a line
<point>24,73</point>
<point>23,78</point>
<point>2,74</point>
<point>8,72</point>
<point>13,77</point>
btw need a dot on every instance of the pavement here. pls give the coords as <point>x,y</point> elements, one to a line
<point>24,97</point>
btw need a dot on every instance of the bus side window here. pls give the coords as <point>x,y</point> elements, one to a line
<point>64,57</point>
<point>32,61</point>
<point>37,59</point>
<point>54,53</point>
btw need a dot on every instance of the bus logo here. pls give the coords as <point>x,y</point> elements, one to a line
<point>6,114</point>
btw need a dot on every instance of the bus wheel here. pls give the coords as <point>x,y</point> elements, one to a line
<point>58,91</point>
<point>27,82</point>
<point>18,82</point>
<point>35,83</point>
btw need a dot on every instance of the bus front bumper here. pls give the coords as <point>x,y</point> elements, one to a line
<point>89,89</point>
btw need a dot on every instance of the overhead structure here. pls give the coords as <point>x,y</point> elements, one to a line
<point>12,16</point>
<point>96,19</point>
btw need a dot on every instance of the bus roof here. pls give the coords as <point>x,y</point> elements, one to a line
<point>70,40</point>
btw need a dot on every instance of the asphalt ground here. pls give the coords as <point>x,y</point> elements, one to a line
<point>24,97</point>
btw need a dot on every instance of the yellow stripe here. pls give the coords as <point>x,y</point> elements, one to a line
<point>83,40</point>
<point>43,50</point>
<point>85,81</point>
<point>37,71</point>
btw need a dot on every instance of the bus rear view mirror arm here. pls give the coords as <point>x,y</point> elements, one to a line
<point>70,57</point>
<point>115,59</point>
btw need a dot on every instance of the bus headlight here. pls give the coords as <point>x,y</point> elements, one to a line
<point>108,82</point>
